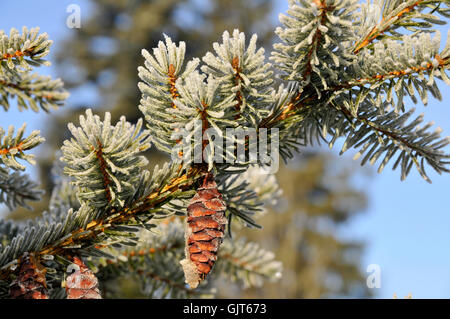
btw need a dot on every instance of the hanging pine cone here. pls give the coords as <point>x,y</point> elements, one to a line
<point>30,283</point>
<point>205,229</point>
<point>82,283</point>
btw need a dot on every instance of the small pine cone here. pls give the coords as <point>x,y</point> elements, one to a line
<point>82,284</point>
<point>205,229</point>
<point>30,283</point>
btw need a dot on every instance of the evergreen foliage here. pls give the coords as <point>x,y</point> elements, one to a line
<point>341,66</point>
<point>17,189</point>
<point>19,53</point>
<point>104,167</point>
<point>125,28</point>
<point>243,75</point>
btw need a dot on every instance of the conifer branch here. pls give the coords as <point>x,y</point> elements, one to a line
<point>153,263</point>
<point>31,90</point>
<point>441,63</point>
<point>18,54</point>
<point>409,15</point>
<point>248,264</point>
<point>242,74</point>
<point>12,147</point>
<point>392,134</point>
<point>153,255</point>
<point>17,189</point>
<point>28,48</point>
<point>103,160</point>
<point>298,100</point>
<point>136,261</point>
<point>385,24</point>
<point>317,37</point>
<point>96,227</point>
<point>90,228</point>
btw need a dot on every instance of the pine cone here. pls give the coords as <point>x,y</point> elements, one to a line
<point>30,283</point>
<point>205,229</point>
<point>82,284</point>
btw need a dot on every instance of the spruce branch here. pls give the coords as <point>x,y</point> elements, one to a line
<point>85,229</point>
<point>23,50</point>
<point>247,194</point>
<point>13,147</point>
<point>375,133</point>
<point>396,14</point>
<point>103,159</point>
<point>389,133</point>
<point>153,262</point>
<point>314,39</point>
<point>17,189</point>
<point>19,53</point>
<point>201,107</point>
<point>241,72</point>
<point>400,67</point>
<point>248,263</point>
<point>237,80</point>
<point>369,80</point>
<point>31,90</point>
<point>161,72</point>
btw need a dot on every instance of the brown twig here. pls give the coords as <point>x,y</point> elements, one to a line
<point>237,80</point>
<point>172,80</point>
<point>205,124</point>
<point>102,166</point>
<point>18,53</point>
<point>18,147</point>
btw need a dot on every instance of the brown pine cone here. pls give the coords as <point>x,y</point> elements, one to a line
<point>30,283</point>
<point>205,229</point>
<point>82,284</point>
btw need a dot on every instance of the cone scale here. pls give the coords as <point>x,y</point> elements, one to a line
<point>82,283</point>
<point>30,282</point>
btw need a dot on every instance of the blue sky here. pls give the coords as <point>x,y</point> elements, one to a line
<point>406,226</point>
